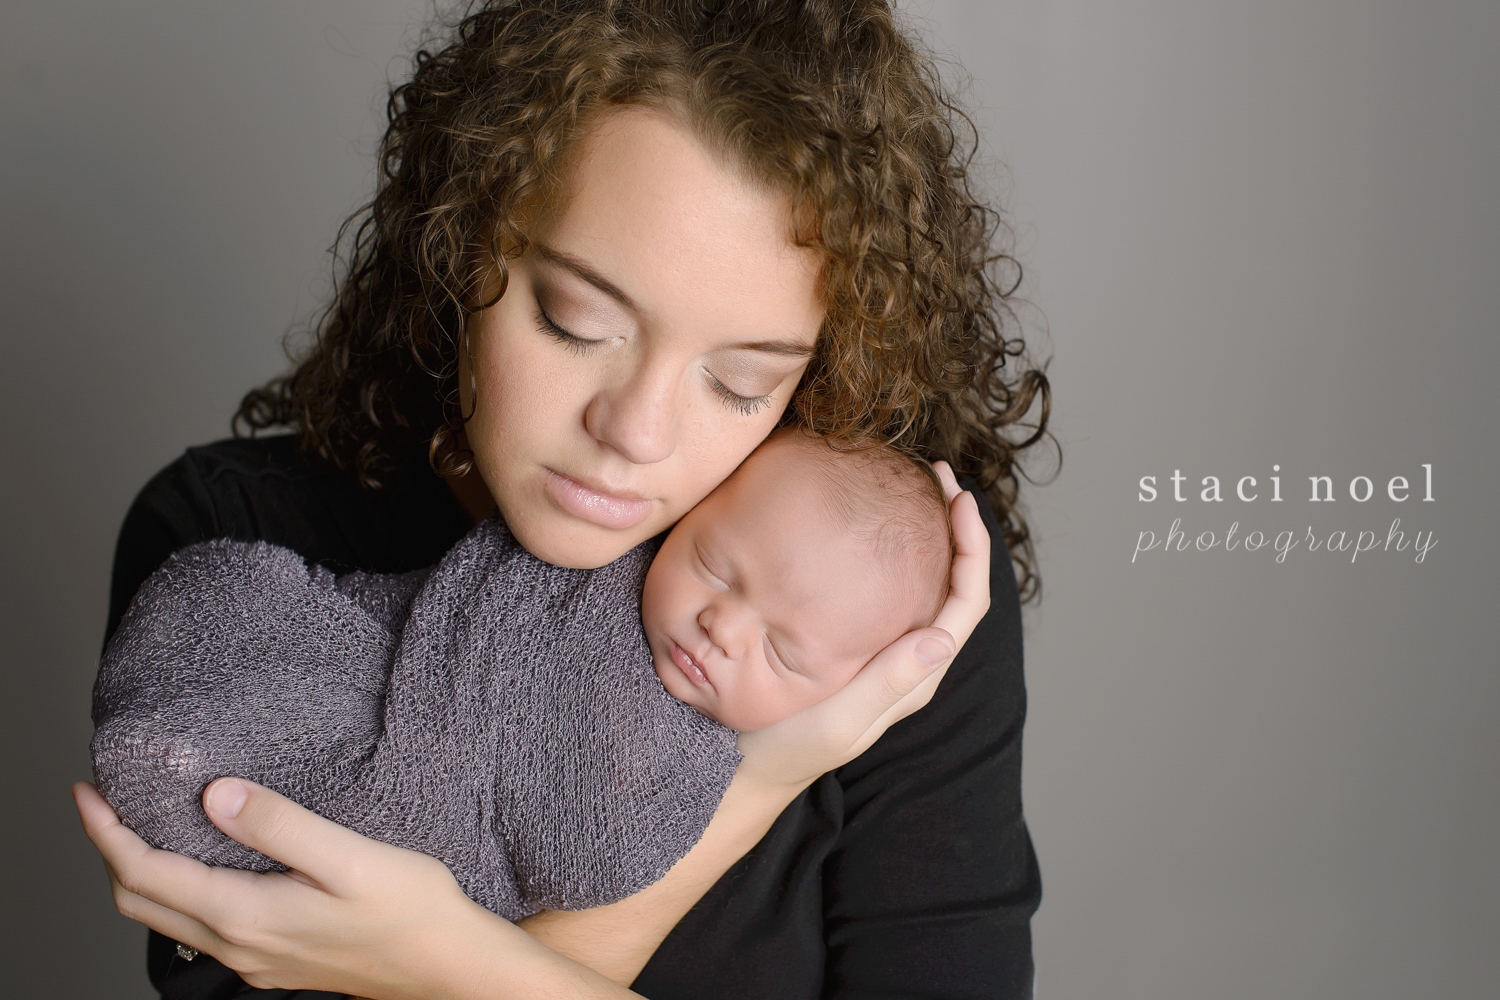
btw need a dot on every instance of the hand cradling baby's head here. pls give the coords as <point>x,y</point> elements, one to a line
<point>773,592</point>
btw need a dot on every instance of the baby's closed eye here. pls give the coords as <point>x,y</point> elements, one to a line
<point>780,656</point>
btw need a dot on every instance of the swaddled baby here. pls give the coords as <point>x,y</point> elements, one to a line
<point>559,738</point>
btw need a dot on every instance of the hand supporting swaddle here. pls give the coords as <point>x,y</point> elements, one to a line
<point>510,724</point>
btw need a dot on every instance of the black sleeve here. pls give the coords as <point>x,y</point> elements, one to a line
<point>173,510</point>
<point>267,489</point>
<point>930,889</point>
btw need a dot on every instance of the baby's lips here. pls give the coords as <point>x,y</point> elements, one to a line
<point>690,667</point>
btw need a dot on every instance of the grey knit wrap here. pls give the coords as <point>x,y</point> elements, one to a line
<point>497,713</point>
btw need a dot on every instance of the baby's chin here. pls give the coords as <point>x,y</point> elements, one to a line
<point>680,687</point>
<point>743,721</point>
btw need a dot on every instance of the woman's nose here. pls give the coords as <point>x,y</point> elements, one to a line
<point>638,416</point>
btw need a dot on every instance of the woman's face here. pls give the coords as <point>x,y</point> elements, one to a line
<point>648,340</point>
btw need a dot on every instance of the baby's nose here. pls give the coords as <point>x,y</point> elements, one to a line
<point>726,628</point>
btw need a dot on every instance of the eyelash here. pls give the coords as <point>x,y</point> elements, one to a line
<point>781,664</point>
<point>577,345</point>
<point>698,554</point>
<point>744,405</point>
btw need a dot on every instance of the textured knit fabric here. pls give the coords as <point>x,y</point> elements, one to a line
<point>497,713</point>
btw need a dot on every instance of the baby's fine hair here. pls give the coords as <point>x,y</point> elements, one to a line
<point>892,502</point>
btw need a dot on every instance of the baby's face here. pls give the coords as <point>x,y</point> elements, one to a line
<point>757,606</point>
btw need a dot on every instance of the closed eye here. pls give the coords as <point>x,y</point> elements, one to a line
<point>773,655</point>
<point>573,342</point>
<point>715,579</point>
<point>748,405</point>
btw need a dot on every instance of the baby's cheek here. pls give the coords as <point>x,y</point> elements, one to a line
<point>795,695</point>
<point>834,678</point>
<point>834,672</point>
<point>670,596</point>
<point>767,703</point>
<point>756,708</point>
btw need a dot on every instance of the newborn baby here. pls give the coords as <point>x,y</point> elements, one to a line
<point>559,738</point>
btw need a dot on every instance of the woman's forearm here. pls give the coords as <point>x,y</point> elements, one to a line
<point>498,962</point>
<point>619,939</point>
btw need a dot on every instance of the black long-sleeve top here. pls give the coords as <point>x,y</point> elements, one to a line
<point>908,872</point>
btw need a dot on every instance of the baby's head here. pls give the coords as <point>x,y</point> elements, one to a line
<point>776,589</point>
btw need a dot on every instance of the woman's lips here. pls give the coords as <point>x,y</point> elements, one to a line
<point>593,506</point>
<point>689,666</point>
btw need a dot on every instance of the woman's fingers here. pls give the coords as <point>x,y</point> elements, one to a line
<point>969,594</point>
<point>947,478</point>
<point>132,863</point>
<point>916,698</point>
<point>890,687</point>
<point>969,590</point>
<point>279,828</point>
<point>252,923</point>
<point>220,900</point>
<point>142,871</point>
<point>896,671</point>
<point>116,843</point>
<point>842,726</point>
<point>164,920</point>
<point>95,813</point>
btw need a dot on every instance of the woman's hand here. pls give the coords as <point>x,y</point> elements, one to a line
<point>353,916</point>
<point>897,682</point>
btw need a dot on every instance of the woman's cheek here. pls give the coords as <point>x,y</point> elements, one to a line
<point>719,439</point>
<point>530,393</point>
<point>523,372</point>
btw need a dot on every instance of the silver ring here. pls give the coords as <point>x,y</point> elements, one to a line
<point>185,952</point>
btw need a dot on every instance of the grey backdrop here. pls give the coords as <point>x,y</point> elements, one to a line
<point>1255,234</point>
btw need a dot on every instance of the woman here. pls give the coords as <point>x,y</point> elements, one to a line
<point>614,245</point>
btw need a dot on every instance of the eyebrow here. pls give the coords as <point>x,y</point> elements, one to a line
<point>585,271</point>
<point>789,348</point>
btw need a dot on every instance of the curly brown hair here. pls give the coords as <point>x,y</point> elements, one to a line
<point>828,101</point>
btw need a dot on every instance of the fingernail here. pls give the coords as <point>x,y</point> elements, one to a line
<point>933,651</point>
<point>226,797</point>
